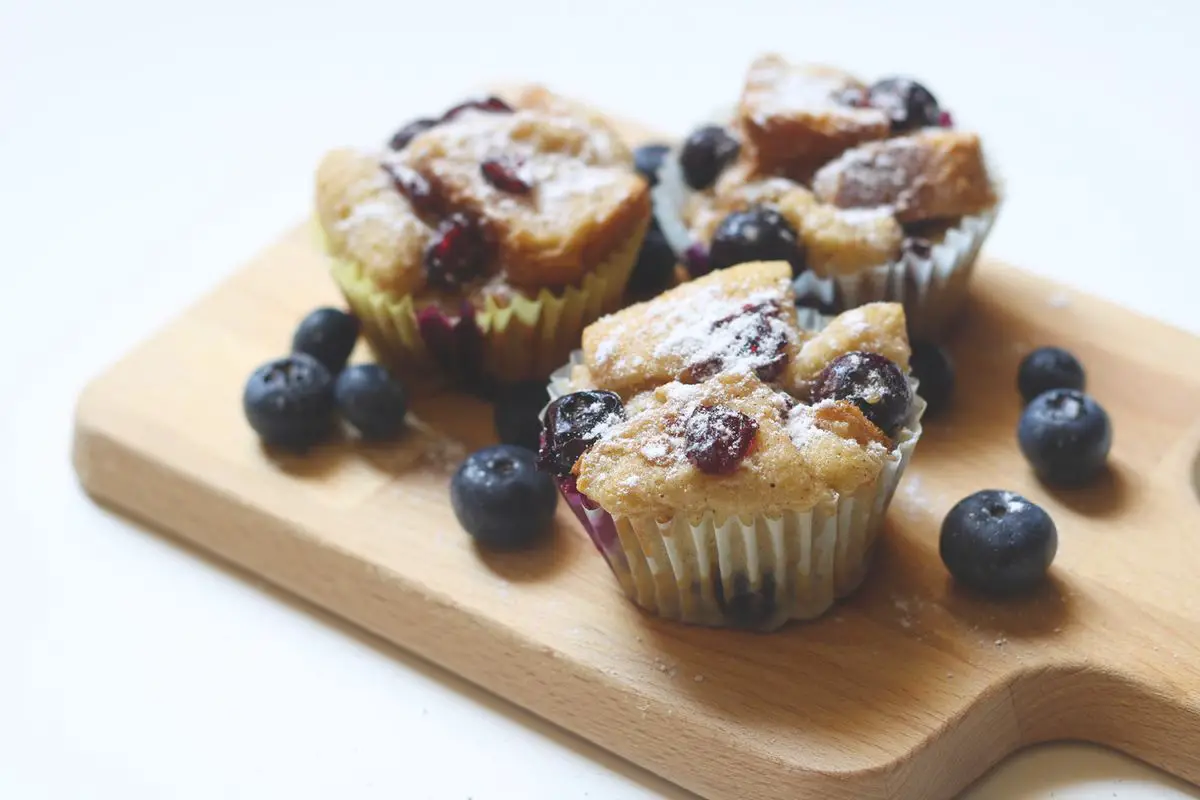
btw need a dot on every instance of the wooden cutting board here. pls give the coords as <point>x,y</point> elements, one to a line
<point>911,689</point>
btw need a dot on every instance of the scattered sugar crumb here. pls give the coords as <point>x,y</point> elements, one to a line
<point>949,674</point>
<point>699,679</point>
<point>1001,642</point>
<point>906,623</point>
<point>1059,630</point>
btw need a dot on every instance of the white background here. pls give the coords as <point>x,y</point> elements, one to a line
<point>146,148</point>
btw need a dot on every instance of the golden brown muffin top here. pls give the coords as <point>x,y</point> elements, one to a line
<point>549,189</point>
<point>800,454</point>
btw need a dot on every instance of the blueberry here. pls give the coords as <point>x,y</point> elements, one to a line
<point>1065,435</point>
<point>756,234</point>
<point>745,607</point>
<point>515,413</point>
<point>328,335</point>
<point>998,542</point>
<point>500,497</point>
<point>907,103</point>
<point>655,267</point>
<point>573,423</point>
<point>371,400</point>
<point>718,438</point>
<point>933,367</point>
<point>872,382</point>
<point>648,158</point>
<point>705,153</point>
<point>1049,368</point>
<point>289,401</point>
<point>402,137</point>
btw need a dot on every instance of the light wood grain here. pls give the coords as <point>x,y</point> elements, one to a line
<point>911,689</point>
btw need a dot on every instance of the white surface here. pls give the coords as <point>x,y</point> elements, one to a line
<point>147,148</point>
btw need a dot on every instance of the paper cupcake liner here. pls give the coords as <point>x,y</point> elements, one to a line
<point>525,339</point>
<point>931,289</point>
<point>755,572</point>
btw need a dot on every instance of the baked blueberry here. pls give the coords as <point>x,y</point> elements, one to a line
<point>289,401</point>
<point>705,153</point>
<point>872,382</point>
<point>488,103</point>
<point>505,174</point>
<point>1065,435</point>
<point>907,103</point>
<point>756,234</point>
<point>998,542</point>
<point>932,366</point>
<point>328,335</point>
<point>371,400</point>
<point>655,267</point>
<point>1049,368</point>
<point>402,137</point>
<point>745,607</point>
<point>457,253</point>
<point>718,438</point>
<point>573,423</point>
<point>515,413</point>
<point>500,497</point>
<point>648,158</point>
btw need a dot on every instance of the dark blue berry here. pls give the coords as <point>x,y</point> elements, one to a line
<point>932,366</point>
<point>328,335</point>
<point>500,497</point>
<point>907,103</point>
<point>655,267</point>
<point>872,382</point>
<point>705,153</point>
<point>1049,368</point>
<point>648,158</point>
<point>371,400</point>
<point>289,401</point>
<point>1065,435</point>
<point>998,542</point>
<point>573,423</point>
<point>756,234</point>
<point>516,411</point>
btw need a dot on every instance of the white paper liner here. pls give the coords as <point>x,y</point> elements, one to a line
<point>754,572</point>
<point>931,289</point>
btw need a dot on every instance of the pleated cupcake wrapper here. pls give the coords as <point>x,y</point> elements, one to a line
<point>754,572</point>
<point>931,289</point>
<point>525,339</point>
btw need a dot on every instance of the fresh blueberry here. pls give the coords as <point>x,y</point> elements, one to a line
<point>872,382</point>
<point>655,267</point>
<point>648,158</point>
<point>573,423</point>
<point>756,234</point>
<point>328,335</point>
<point>515,413</point>
<point>932,366</point>
<point>289,401</point>
<point>371,400</point>
<point>998,542</point>
<point>1049,368</point>
<point>907,103</point>
<point>1065,435</point>
<point>501,498</point>
<point>705,153</point>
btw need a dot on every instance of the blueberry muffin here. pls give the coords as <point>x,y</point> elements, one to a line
<point>482,242</point>
<point>733,468</point>
<point>868,191</point>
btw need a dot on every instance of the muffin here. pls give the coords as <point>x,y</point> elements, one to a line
<point>733,468</point>
<point>869,191</point>
<point>481,243</point>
